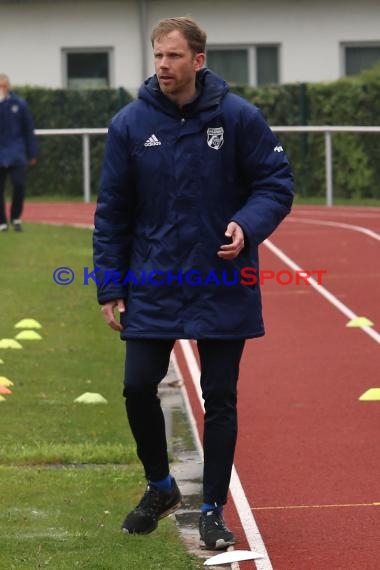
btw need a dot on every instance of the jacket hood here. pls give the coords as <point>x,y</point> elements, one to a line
<point>211,90</point>
<point>11,96</point>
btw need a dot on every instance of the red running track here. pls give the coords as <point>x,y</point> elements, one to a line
<point>69,213</point>
<point>308,454</point>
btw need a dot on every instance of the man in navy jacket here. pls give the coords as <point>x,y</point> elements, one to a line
<point>193,181</point>
<point>18,148</point>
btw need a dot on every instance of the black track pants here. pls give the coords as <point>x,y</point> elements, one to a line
<point>146,365</point>
<point>17,176</point>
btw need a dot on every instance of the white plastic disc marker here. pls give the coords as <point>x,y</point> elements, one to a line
<point>233,556</point>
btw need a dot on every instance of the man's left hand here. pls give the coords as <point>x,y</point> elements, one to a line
<point>33,162</point>
<point>232,250</point>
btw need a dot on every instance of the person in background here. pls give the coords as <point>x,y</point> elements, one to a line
<point>18,148</point>
<point>193,180</point>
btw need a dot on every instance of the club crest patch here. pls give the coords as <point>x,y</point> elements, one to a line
<point>14,108</point>
<point>215,138</point>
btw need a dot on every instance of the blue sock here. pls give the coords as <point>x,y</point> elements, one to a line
<point>163,485</point>
<point>211,507</point>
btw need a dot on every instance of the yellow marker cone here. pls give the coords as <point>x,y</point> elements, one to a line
<point>91,398</point>
<point>28,324</point>
<point>2,399</point>
<point>4,381</point>
<point>28,335</point>
<point>371,395</point>
<point>1,361</point>
<point>359,322</point>
<point>9,343</point>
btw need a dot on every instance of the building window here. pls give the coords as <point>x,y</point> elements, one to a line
<point>267,64</point>
<point>231,64</point>
<point>87,69</point>
<point>253,65</point>
<point>360,57</point>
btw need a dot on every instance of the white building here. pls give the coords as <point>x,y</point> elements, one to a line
<point>78,43</point>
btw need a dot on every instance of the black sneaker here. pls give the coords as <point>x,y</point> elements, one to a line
<point>17,225</point>
<point>214,533</point>
<point>153,506</point>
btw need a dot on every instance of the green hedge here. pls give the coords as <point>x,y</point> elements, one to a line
<point>348,101</point>
<point>59,168</point>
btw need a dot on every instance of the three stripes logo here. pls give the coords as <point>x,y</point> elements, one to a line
<point>152,141</point>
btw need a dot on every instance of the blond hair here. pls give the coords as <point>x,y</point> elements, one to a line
<point>195,36</point>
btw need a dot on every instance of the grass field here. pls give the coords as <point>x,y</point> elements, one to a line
<point>68,471</point>
<point>61,198</point>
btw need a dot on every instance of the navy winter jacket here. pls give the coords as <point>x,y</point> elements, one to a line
<point>18,144</point>
<point>172,180</point>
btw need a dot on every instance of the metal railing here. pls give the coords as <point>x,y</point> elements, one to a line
<point>327,131</point>
<point>85,134</point>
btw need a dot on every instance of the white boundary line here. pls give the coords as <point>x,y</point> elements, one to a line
<point>243,508</point>
<point>322,290</point>
<point>61,224</point>
<point>360,229</point>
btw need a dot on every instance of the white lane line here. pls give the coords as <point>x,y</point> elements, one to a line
<point>352,227</point>
<point>322,290</point>
<point>61,224</point>
<point>243,508</point>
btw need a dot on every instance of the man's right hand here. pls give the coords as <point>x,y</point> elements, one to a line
<point>109,315</point>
